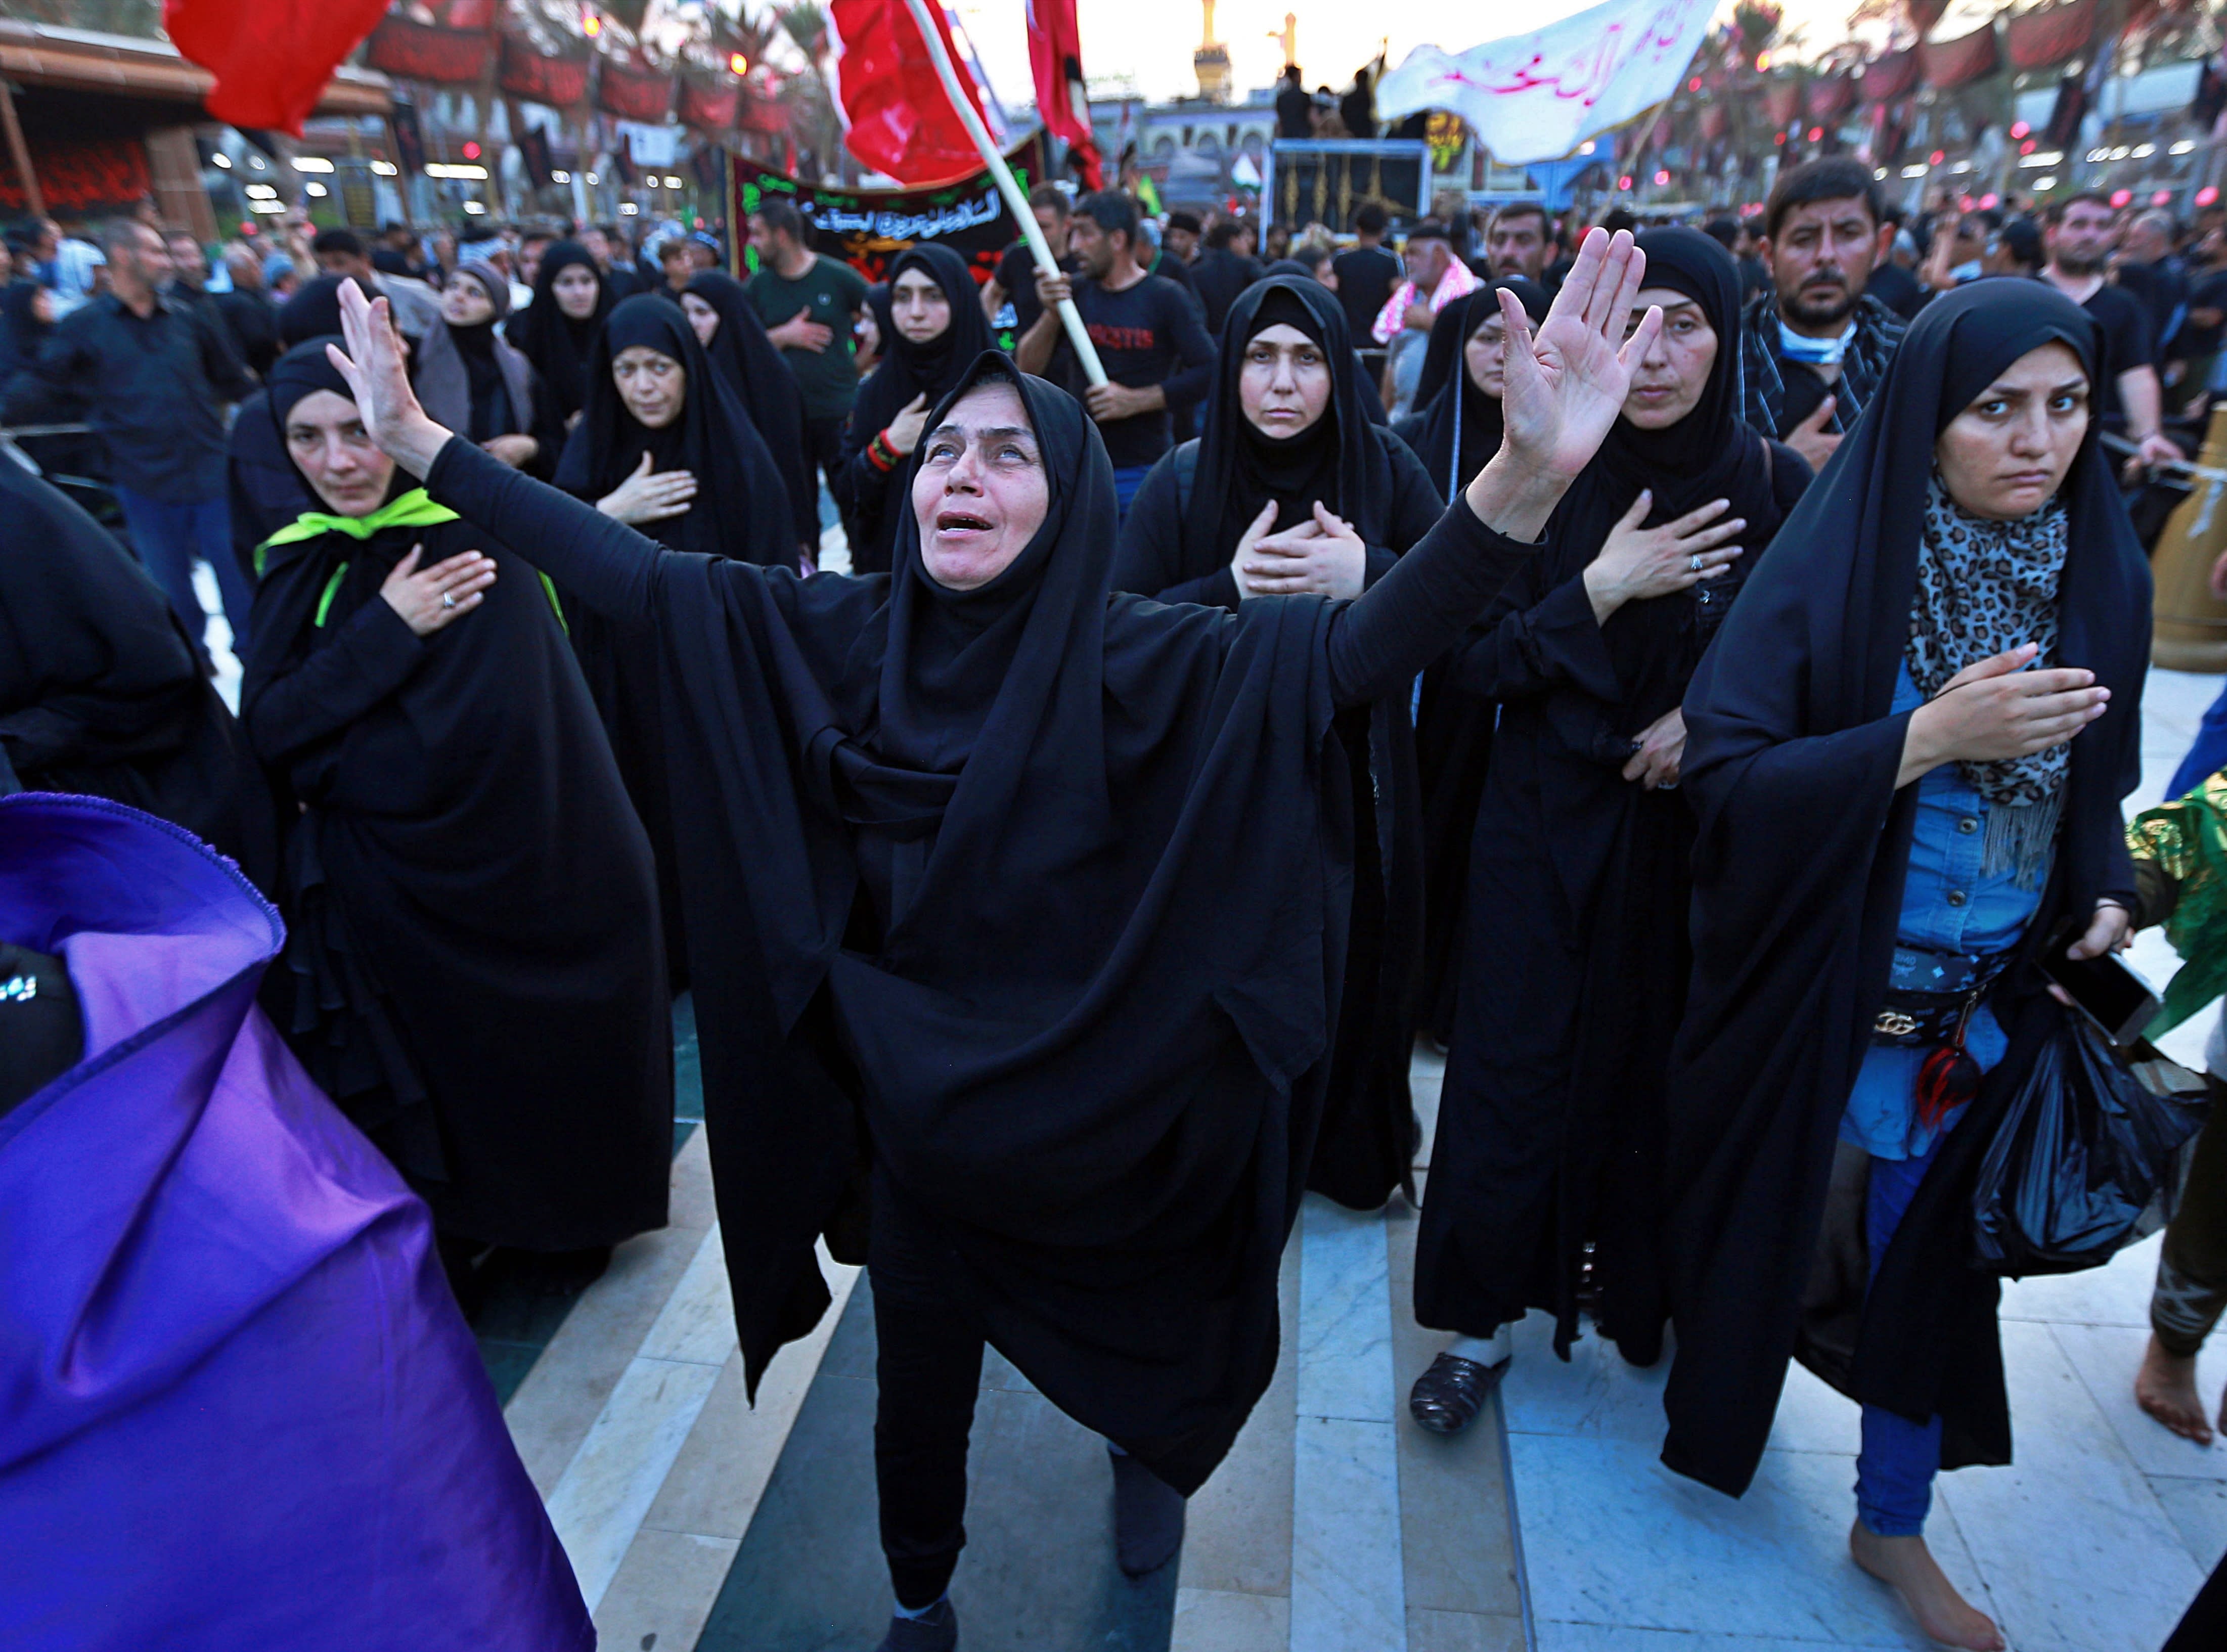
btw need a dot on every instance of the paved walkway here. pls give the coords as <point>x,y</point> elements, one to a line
<point>1337,1526</point>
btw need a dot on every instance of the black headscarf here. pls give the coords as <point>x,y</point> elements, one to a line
<point>554,342</point>
<point>737,511</point>
<point>1791,763</point>
<point>1456,427</point>
<point>314,311</point>
<point>930,368</point>
<point>1340,460</point>
<point>762,381</point>
<point>492,414</point>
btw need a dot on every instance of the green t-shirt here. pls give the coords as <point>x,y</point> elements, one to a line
<point>832,291</point>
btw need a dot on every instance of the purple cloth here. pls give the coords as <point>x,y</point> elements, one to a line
<point>238,1406</point>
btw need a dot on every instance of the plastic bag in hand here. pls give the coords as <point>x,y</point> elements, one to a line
<point>2082,1151</point>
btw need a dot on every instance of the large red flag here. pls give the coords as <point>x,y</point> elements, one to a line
<point>1055,59</point>
<point>271,58</point>
<point>900,122</point>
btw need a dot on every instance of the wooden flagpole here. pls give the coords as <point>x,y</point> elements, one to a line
<point>1009,186</point>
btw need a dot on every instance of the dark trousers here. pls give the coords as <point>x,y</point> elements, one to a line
<point>927,1374</point>
<point>2192,1276</point>
<point>170,537</point>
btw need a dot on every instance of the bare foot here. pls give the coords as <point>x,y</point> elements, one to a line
<point>2164,1387</point>
<point>1907,1566</point>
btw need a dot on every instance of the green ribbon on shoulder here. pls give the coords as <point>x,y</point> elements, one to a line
<point>413,509</point>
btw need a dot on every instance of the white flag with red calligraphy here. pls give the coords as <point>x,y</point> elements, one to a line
<point>1537,97</point>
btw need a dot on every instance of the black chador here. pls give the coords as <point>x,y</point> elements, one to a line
<point>100,691</point>
<point>738,511</point>
<point>1454,429</point>
<point>869,485</point>
<point>471,906</point>
<point>1176,545</point>
<point>1798,871</point>
<point>751,363</point>
<point>558,345</point>
<point>1550,1122</point>
<point>1036,898</point>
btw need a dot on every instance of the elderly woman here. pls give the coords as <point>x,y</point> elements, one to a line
<point>1907,754</point>
<point>1033,900</point>
<point>474,942</point>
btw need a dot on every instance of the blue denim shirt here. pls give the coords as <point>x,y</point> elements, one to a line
<point>1946,906</point>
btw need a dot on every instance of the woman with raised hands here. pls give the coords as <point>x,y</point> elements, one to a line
<point>1032,898</point>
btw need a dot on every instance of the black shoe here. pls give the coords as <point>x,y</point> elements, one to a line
<point>1446,1398</point>
<point>1148,1517</point>
<point>937,1632</point>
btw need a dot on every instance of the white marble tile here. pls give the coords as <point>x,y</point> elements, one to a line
<point>2198,1509</point>
<point>1595,1396</point>
<point>1348,1590</point>
<point>2106,1358</point>
<point>1608,1637</point>
<point>600,1501</point>
<point>1345,1314</point>
<point>2118,1293</point>
<point>1814,1417</point>
<point>2078,1553</point>
<point>1223,1620</point>
<point>1611,1537</point>
<point>697,1325</point>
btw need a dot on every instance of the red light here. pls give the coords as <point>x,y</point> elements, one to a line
<point>1778,137</point>
<point>1935,158</point>
<point>471,151</point>
<point>1661,178</point>
<point>1693,84</point>
<point>2121,197</point>
<point>1964,203</point>
<point>1624,183</point>
<point>2162,198</point>
<point>2206,195</point>
<point>1816,132</point>
<point>1989,201</point>
<point>2020,129</point>
<point>737,64</point>
<point>2026,148</point>
<point>248,228</point>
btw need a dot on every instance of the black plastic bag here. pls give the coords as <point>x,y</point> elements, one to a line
<point>2082,1151</point>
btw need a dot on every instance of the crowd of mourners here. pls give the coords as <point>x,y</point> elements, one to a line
<point>1692,676</point>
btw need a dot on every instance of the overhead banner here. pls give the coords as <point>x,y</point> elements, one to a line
<point>1537,96</point>
<point>866,228</point>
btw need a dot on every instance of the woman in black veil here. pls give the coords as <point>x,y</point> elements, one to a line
<point>1034,900</point>
<point>728,326</point>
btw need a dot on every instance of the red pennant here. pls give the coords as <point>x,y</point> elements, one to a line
<point>901,122</point>
<point>1056,62</point>
<point>271,58</point>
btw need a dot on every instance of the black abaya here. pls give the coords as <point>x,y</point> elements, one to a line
<point>1176,545</point>
<point>872,497</point>
<point>100,691</point>
<point>558,345</point>
<point>1550,1117</point>
<point>1798,869</point>
<point>471,900</point>
<point>762,383</point>
<point>1048,893</point>
<point>740,511</point>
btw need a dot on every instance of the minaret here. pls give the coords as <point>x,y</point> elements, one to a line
<point>1211,61</point>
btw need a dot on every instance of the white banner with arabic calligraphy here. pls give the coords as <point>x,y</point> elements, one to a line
<point>1537,97</point>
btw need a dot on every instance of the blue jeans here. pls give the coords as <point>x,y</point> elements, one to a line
<point>1895,1469</point>
<point>1128,478</point>
<point>2209,755</point>
<point>170,537</point>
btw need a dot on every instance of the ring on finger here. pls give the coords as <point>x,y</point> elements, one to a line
<point>1693,562</point>
<point>448,599</point>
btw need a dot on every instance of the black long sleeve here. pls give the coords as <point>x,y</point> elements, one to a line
<point>609,566</point>
<point>1421,607</point>
<point>373,654</point>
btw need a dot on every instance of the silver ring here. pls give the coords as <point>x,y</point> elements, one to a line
<point>447,600</point>
<point>1693,562</point>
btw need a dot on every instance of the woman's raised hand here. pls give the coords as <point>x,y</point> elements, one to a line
<point>429,598</point>
<point>379,380</point>
<point>1637,563</point>
<point>1565,386</point>
<point>645,496</point>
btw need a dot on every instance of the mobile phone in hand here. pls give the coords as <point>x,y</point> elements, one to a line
<point>2110,994</point>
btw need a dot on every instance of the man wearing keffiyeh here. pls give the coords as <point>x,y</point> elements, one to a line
<point>1814,345</point>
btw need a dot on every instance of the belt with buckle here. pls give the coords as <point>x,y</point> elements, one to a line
<point>1930,994</point>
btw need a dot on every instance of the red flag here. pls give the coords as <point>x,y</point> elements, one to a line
<point>1063,105</point>
<point>271,58</point>
<point>900,122</point>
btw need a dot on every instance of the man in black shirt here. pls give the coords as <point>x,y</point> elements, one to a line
<point>1148,335</point>
<point>1357,109</point>
<point>1180,240</point>
<point>2149,270</point>
<point>2081,229</point>
<point>1222,272</point>
<point>1366,276</point>
<point>1014,281</point>
<point>155,375</point>
<point>1295,111</point>
<point>188,288</point>
<point>247,309</point>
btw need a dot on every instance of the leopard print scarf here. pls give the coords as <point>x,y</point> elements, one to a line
<point>1984,587</point>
